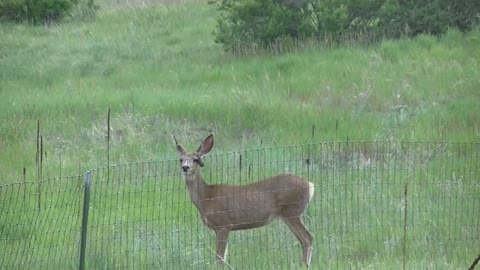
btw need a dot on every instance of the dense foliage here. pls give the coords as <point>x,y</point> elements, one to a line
<point>265,22</point>
<point>41,11</point>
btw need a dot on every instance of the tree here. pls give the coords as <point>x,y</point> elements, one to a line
<point>39,11</point>
<point>263,22</point>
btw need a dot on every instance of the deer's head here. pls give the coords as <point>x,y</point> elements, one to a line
<point>190,162</point>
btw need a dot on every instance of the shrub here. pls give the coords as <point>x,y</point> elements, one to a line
<point>13,10</point>
<point>46,11</point>
<point>262,22</point>
<point>37,11</point>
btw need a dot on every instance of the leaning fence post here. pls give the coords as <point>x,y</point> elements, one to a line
<point>83,240</point>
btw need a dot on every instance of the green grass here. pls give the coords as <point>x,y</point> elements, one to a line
<point>160,72</point>
<point>140,215</point>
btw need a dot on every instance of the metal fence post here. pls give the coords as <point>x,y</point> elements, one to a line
<point>83,240</point>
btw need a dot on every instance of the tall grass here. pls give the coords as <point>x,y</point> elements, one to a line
<point>156,66</point>
<point>374,203</point>
<point>159,70</point>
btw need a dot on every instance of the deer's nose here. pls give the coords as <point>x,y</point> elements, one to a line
<point>185,168</point>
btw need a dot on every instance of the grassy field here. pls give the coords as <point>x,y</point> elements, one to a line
<point>160,72</point>
<point>141,217</point>
<point>156,66</point>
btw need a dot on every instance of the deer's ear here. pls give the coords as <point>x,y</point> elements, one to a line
<point>179,147</point>
<point>180,150</point>
<point>206,146</point>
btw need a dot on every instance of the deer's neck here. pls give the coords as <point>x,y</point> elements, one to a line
<point>197,188</point>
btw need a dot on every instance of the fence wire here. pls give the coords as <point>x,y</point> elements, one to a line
<point>376,204</point>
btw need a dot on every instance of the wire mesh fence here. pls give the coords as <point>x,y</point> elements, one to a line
<point>376,204</point>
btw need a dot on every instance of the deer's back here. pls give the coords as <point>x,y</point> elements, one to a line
<point>256,204</point>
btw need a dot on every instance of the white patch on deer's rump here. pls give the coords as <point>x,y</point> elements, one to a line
<point>311,190</point>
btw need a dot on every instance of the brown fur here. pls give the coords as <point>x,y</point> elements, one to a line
<point>225,208</point>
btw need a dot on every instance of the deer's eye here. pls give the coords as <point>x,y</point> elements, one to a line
<point>181,160</point>
<point>196,160</point>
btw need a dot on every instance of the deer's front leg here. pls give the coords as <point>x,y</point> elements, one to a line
<point>222,244</point>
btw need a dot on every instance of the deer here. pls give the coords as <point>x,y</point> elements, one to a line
<point>225,208</point>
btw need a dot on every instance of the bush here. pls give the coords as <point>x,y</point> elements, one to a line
<point>262,22</point>
<point>13,10</point>
<point>37,11</point>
